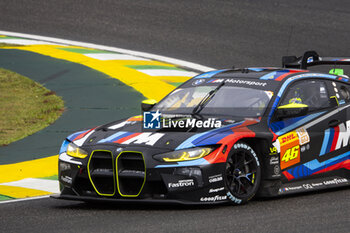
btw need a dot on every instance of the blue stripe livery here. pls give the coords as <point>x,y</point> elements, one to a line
<point>325,142</point>
<point>209,74</point>
<point>313,166</point>
<point>210,137</point>
<point>75,135</point>
<point>115,137</point>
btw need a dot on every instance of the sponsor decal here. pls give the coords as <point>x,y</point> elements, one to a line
<point>292,188</point>
<point>66,179</point>
<point>303,136</point>
<point>215,178</point>
<point>316,184</point>
<point>64,166</point>
<point>191,123</point>
<point>308,186</point>
<point>229,121</point>
<point>239,81</point>
<point>145,138</point>
<point>305,147</point>
<point>274,160</point>
<point>289,149</point>
<point>198,82</point>
<point>276,170</point>
<point>182,183</point>
<point>151,120</point>
<point>273,150</point>
<point>335,181</point>
<point>233,198</point>
<point>216,190</point>
<point>213,199</point>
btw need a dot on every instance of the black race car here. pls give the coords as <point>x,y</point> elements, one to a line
<point>223,136</point>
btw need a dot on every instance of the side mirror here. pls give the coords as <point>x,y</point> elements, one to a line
<point>292,110</point>
<point>146,105</point>
<point>333,101</point>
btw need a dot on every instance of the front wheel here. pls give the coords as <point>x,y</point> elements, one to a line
<point>242,174</point>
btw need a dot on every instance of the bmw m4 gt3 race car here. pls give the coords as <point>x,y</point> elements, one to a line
<point>222,136</point>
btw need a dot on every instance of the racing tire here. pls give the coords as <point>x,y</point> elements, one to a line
<point>242,173</point>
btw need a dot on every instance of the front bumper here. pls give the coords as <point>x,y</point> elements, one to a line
<point>128,181</point>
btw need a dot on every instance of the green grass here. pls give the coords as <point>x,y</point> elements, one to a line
<point>5,198</point>
<point>25,107</point>
<point>8,45</point>
<point>54,177</point>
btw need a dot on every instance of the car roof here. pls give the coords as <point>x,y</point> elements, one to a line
<point>280,75</point>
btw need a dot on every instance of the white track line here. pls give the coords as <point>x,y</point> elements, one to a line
<point>24,199</point>
<point>175,61</point>
<point>167,72</point>
<point>51,186</point>
<point>113,56</point>
<point>24,42</point>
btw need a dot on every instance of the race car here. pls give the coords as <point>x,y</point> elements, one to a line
<point>223,136</point>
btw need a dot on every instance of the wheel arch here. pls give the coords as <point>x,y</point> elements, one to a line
<point>259,145</point>
<point>261,148</point>
<point>268,185</point>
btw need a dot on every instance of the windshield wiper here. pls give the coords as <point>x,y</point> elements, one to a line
<point>206,99</point>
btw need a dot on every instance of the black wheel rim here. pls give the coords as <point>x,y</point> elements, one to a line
<point>241,174</point>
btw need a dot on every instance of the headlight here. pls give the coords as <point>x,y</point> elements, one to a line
<point>184,155</point>
<point>74,151</point>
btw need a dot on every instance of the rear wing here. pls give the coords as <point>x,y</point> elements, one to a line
<point>311,58</point>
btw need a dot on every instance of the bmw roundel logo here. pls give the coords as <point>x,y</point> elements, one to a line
<point>198,82</point>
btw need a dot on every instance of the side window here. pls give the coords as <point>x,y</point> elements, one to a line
<point>310,92</point>
<point>341,91</point>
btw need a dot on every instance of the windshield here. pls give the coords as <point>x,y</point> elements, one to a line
<point>227,101</point>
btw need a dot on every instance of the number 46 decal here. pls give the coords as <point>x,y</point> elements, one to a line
<point>290,154</point>
<point>290,149</point>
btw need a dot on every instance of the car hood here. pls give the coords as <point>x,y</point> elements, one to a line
<point>130,132</point>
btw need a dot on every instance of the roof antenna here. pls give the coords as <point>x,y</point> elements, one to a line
<point>245,70</point>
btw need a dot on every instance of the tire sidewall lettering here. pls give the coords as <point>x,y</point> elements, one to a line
<point>233,198</point>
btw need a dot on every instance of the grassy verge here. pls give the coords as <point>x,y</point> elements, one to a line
<point>25,107</point>
<point>9,45</point>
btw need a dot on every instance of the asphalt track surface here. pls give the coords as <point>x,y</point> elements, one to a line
<point>213,33</point>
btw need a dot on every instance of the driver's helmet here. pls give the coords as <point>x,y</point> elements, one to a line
<point>295,100</point>
<point>297,97</point>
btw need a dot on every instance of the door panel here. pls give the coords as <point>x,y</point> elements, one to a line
<point>302,139</point>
